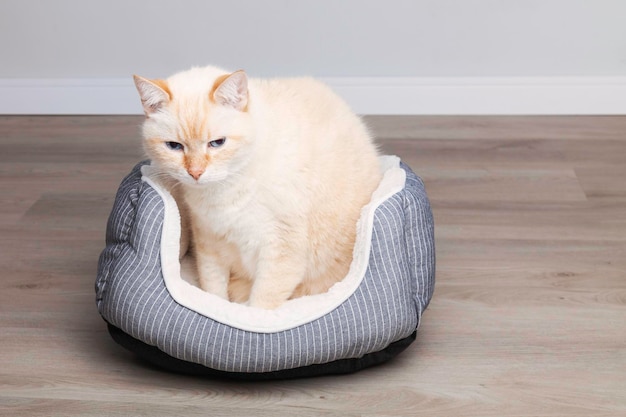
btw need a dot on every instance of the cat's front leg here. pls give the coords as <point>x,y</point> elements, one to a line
<point>281,268</point>
<point>213,274</point>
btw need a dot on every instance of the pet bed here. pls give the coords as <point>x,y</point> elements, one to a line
<point>152,308</point>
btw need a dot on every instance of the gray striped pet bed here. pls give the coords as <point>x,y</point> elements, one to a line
<point>152,307</point>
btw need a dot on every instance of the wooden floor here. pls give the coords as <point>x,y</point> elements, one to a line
<point>529,312</point>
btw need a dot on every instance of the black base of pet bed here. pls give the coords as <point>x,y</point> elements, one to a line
<point>343,366</point>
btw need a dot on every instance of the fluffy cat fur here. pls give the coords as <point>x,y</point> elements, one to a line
<point>270,176</point>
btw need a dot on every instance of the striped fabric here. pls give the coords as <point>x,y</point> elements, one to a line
<point>387,306</point>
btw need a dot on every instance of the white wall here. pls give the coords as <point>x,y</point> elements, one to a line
<point>407,45</point>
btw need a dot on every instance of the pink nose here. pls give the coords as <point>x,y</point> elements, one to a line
<point>195,172</point>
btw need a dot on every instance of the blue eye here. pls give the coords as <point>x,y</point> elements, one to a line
<point>217,142</point>
<point>175,146</point>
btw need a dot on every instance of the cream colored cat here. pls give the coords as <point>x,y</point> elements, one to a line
<point>272,175</point>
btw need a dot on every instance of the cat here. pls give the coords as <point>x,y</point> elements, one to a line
<point>270,175</point>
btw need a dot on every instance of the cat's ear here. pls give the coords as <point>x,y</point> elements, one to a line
<point>232,90</point>
<point>154,94</point>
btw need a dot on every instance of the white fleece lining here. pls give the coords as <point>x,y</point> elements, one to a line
<point>292,313</point>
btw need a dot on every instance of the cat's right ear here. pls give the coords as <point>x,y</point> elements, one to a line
<point>154,94</point>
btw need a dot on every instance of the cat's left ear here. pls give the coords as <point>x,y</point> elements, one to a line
<point>232,91</point>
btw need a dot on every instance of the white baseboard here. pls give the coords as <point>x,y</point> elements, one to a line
<point>368,95</point>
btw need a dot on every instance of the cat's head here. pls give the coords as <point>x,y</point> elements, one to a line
<point>198,129</point>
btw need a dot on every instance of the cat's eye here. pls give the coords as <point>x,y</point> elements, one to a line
<point>217,142</point>
<point>175,146</point>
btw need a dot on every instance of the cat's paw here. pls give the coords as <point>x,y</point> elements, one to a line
<point>266,303</point>
<point>214,289</point>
